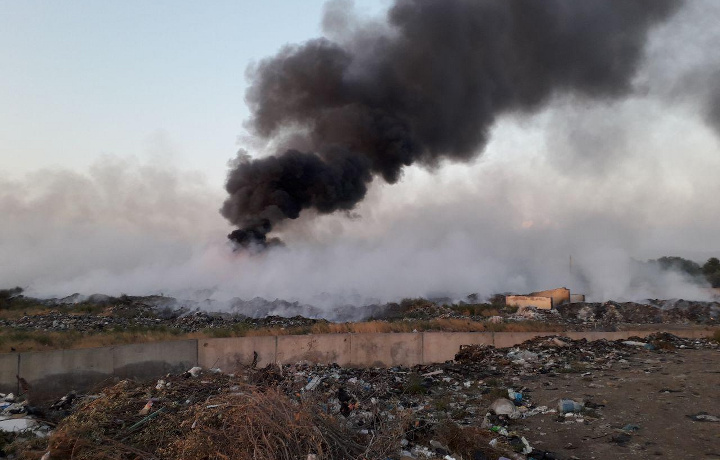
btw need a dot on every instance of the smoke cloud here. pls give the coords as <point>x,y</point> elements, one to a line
<point>507,222</point>
<point>426,86</point>
<point>605,176</point>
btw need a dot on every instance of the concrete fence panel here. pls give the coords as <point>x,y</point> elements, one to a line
<point>695,333</point>
<point>386,350</point>
<point>9,364</point>
<point>54,373</point>
<point>230,353</point>
<point>439,347</point>
<point>322,349</point>
<point>150,360</point>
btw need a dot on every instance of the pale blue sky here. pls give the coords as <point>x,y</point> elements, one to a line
<point>79,79</point>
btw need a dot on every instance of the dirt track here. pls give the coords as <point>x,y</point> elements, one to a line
<point>654,392</point>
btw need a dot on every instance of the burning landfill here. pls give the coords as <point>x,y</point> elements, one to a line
<point>548,398</point>
<point>105,314</point>
<point>424,87</point>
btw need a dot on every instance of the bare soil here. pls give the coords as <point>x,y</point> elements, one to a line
<point>654,391</point>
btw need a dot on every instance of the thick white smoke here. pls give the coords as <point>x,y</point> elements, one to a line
<point>508,222</point>
<point>603,183</point>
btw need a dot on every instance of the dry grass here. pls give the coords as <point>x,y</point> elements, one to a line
<point>12,309</point>
<point>19,307</point>
<point>369,327</point>
<point>249,423</point>
<point>15,314</point>
<point>366,327</point>
<point>21,340</point>
<point>525,326</point>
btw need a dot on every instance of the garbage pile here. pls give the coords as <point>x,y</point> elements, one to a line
<point>19,421</point>
<point>272,413</point>
<point>129,313</point>
<point>475,407</point>
<point>653,312</point>
<point>112,320</point>
<point>16,416</point>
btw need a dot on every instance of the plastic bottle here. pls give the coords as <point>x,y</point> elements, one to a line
<point>568,405</point>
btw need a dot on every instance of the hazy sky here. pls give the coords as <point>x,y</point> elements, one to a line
<point>80,79</point>
<point>117,120</point>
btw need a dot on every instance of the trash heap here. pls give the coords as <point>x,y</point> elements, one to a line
<point>103,313</point>
<point>58,321</point>
<point>653,312</point>
<point>474,407</point>
<point>17,416</point>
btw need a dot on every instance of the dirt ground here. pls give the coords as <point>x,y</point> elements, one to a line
<point>654,392</point>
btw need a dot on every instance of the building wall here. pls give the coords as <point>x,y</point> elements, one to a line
<point>559,295</point>
<point>577,297</point>
<point>529,301</point>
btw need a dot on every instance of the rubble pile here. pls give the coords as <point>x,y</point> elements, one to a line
<point>654,312</point>
<point>54,321</point>
<point>100,313</point>
<point>479,406</point>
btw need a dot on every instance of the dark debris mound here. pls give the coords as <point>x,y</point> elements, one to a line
<point>653,312</point>
<point>562,354</point>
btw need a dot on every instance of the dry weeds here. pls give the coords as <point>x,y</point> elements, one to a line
<point>224,419</point>
<point>20,340</point>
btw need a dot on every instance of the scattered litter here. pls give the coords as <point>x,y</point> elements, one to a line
<point>16,424</point>
<point>313,383</point>
<point>194,371</point>
<point>146,409</point>
<point>568,405</point>
<point>704,417</point>
<point>514,396</point>
<point>502,406</point>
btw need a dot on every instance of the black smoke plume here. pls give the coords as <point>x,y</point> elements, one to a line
<point>425,87</point>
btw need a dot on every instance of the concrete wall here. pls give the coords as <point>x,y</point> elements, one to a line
<point>361,350</point>
<point>148,360</point>
<point>529,301</point>
<point>9,363</point>
<point>439,347</point>
<point>232,353</point>
<point>53,373</point>
<point>323,349</point>
<point>386,350</point>
<point>559,295</point>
